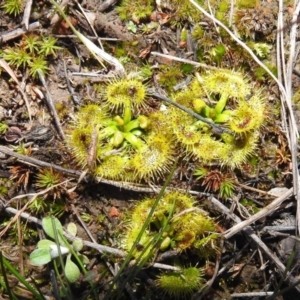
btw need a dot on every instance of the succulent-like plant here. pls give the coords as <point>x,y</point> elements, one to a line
<point>48,250</point>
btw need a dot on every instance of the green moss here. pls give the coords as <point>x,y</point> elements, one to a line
<point>32,52</point>
<point>139,10</point>
<point>13,7</point>
<point>169,76</point>
<point>198,32</point>
<point>246,4</point>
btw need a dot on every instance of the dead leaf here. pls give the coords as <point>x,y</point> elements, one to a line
<point>114,212</point>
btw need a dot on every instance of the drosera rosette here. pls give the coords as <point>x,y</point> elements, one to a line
<point>108,135</point>
<point>249,115</point>
<point>126,145</point>
<point>154,159</point>
<point>79,142</point>
<point>181,284</point>
<point>237,150</point>
<point>221,96</point>
<point>227,83</point>
<point>115,167</point>
<point>85,126</point>
<point>90,115</point>
<point>188,225</point>
<point>125,92</point>
<point>159,121</point>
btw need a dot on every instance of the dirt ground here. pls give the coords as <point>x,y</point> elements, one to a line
<point>163,46</point>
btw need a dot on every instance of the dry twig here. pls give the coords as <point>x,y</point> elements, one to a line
<point>269,209</point>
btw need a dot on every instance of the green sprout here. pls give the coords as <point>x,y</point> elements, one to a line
<point>31,52</point>
<point>13,7</point>
<point>140,10</point>
<point>48,178</point>
<point>3,128</point>
<point>227,188</point>
<point>48,250</point>
<point>39,205</point>
<point>36,65</point>
<point>31,43</point>
<point>17,57</point>
<point>47,46</point>
<point>131,27</point>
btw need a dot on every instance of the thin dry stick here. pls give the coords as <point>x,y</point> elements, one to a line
<point>20,248</point>
<point>250,188</point>
<point>8,69</point>
<point>13,220</point>
<point>94,50</point>
<point>262,213</point>
<point>39,163</point>
<point>77,174</point>
<point>73,36</point>
<point>74,209</point>
<point>231,14</point>
<point>51,106</point>
<point>26,14</point>
<point>217,128</point>
<point>74,96</point>
<point>98,247</point>
<point>92,27</point>
<point>251,294</point>
<point>187,61</point>
<point>5,37</point>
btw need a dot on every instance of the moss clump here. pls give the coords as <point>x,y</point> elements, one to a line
<point>141,9</point>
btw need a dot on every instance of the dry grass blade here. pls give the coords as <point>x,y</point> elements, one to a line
<point>51,106</point>
<point>285,76</point>
<point>26,14</point>
<point>11,73</point>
